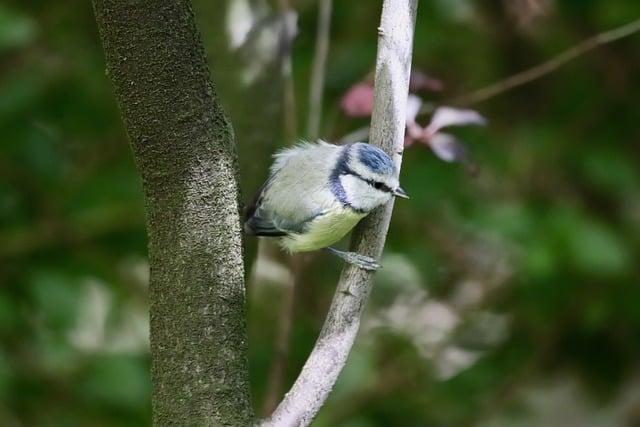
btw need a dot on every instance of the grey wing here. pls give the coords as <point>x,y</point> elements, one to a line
<point>256,220</point>
<point>263,224</point>
<point>293,195</point>
<point>261,221</point>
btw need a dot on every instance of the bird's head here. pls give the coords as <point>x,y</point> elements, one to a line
<point>369,177</point>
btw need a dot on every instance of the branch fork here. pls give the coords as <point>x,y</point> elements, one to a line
<point>329,355</point>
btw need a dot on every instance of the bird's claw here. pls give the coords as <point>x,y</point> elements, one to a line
<point>361,261</point>
<point>364,262</point>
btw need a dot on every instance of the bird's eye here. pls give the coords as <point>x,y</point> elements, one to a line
<point>378,185</point>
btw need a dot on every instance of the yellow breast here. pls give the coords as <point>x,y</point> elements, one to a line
<point>323,230</point>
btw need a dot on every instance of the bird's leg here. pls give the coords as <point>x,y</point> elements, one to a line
<point>362,261</point>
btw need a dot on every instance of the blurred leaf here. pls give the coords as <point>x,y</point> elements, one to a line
<point>610,170</point>
<point>593,247</point>
<point>357,374</point>
<point>119,381</point>
<point>8,314</point>
<point>16,29</point>
<point>5,376</point>
<point>540,259</point>
<point>56,298</point>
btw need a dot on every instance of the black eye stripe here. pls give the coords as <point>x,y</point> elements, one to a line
<point>346,170</point>
<point>378,185</point>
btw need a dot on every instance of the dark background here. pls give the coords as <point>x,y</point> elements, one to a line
<point>508,297</point>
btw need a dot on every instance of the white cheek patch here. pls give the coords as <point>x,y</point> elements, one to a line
<point>361,195</point>
<point>352,186</point>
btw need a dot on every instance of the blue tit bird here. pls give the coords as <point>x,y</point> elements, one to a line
<point>317,192</point>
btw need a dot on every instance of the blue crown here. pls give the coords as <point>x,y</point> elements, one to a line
<point>375,159</point>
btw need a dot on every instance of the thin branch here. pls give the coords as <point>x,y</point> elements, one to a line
<point>332,348</point>
<point>548,66</point>
<point>290,121</point>
<point>290,117</point>
<point>287,309</point>
<point>319,67</point>
<point>523,77</point>
<point>278,367</point>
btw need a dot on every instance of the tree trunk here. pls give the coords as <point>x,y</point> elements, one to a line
<point>183,147</point>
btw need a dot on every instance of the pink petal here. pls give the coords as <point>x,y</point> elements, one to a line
<point>413,107</point>
<point>447,148</point>
<point>415,131</point>
<point>448,116</point>
<point>358,101</point>
<point>420,81</point>
<point>408,141</point>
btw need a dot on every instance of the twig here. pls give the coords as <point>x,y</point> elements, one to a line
<point>319,66</point>
<point>523,77</point>
<point>290,122</point>
<point>548,66</point>
<point>278,368</point>
<point>287,309</point>
<point>330,352</point>
<point>290,117</point>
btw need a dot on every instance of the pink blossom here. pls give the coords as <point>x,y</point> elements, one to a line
<point>358,101</point>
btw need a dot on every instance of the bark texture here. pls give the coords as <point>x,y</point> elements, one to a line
<point>329,355</point>
<point>183,146</point>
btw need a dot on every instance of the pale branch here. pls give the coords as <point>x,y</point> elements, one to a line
<point>329,355</point>
<point>549,66</point>
<point>316,91</point>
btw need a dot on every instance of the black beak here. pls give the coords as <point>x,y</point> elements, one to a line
<point>399,192</point>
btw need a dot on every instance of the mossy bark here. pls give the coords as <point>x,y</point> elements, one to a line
<point>184,149</point>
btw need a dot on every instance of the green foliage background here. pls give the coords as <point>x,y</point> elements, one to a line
<point>546,236</point>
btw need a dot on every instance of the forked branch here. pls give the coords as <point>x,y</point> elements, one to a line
<point>329,355</point>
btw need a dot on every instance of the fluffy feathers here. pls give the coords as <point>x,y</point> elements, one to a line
<point>317,192</point>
